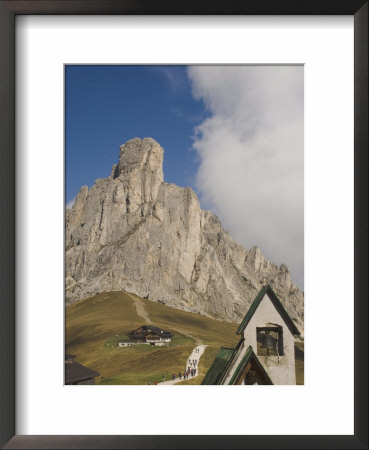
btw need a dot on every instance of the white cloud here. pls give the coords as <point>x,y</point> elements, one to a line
<point>251,153</point>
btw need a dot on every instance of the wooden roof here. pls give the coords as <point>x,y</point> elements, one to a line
<point>278,306</point>
<point>75,372</point>
<point>150,329</point>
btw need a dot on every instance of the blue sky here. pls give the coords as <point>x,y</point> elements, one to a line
<point>108,105</point>
<point>235,134</point>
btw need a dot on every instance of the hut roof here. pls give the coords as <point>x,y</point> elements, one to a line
<point>278,306</point>
<point>75,372</point>
<point>151,329</point>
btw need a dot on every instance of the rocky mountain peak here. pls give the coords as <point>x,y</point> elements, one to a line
<point>135,232</point>
<point>257,261</point>
<point>140,169</point>
<point>140,155</point>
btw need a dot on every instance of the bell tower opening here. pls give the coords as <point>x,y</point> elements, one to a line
<point>270,341</point>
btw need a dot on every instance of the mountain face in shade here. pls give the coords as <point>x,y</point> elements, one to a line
<point>132,231</point>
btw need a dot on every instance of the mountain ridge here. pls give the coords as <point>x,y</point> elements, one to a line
<point>134,231</point>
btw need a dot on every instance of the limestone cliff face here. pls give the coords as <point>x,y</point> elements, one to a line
<point>135,232</point>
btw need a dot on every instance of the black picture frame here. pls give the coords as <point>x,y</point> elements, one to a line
<point>8,12</point>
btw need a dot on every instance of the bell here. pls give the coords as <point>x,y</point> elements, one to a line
<point>269,342</point>
<point>263,343</point>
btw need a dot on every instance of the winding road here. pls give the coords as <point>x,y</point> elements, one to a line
<point>196,352</point>
<point>194,355</point>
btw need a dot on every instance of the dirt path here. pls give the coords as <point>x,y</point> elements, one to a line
<point>184,333</point>
<point>140,308</point>
<point>196,354</point>
<point>142,312</point>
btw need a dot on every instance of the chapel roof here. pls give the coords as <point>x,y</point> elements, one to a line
<point>216,370</point>
<point>250,356</point>
<point>278,306</point>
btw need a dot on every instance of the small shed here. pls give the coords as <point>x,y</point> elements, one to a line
<point>76,373</point>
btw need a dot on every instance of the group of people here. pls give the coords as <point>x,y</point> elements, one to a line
<point>192,362</point>
<point>190,370</point>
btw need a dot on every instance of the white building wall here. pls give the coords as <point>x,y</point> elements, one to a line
<point>126,344</point>
<point>282,372</point>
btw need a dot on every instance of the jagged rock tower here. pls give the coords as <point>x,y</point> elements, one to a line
<point>135,232</point>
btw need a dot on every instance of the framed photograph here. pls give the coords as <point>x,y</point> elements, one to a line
<point>198,305</point>
<point>184,190</point>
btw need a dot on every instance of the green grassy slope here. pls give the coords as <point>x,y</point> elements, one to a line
<point>95,325</point>
<point>299,361</point>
